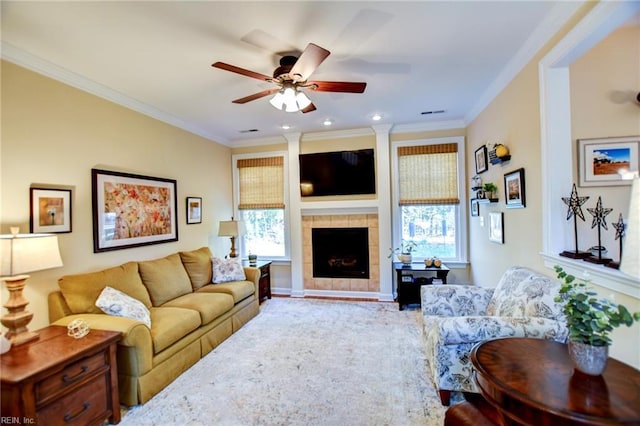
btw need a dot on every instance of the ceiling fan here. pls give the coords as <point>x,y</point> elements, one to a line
<point>291,77</point>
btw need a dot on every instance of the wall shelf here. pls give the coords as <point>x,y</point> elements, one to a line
<point>499,160</point>
<point>487,200</point>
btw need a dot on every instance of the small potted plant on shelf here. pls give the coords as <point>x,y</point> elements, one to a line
<point>489,188</point>
<point>404,251</point>
<point>589,320</point>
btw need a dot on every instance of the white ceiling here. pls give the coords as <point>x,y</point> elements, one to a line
<point>155,57</point>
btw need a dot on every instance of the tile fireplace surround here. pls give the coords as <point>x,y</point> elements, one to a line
<point>369,221</point>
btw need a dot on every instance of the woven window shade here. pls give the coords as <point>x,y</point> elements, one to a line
<point>429,174</point>
<point>261,183</point>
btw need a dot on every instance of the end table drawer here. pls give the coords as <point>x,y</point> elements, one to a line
<point>80,408</point>
<point>69,376</point>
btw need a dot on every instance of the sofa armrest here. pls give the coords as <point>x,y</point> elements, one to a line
<point>58,307</point>
<point>454,300</point>
<point>472,329</point>
<point>136,339</point>
<point>253,275</point>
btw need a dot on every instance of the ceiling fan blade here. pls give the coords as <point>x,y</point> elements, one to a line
<point>337,86</point>
<point>310,108</point>
<point>309,60</point>
<point>256,96</point>
<point>241,71</point>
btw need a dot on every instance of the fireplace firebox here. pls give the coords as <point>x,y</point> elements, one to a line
<point>340,252</point>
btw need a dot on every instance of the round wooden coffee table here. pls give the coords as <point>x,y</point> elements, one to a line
<point>533,382</point>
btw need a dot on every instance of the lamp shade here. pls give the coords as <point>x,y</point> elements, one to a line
<point>630,262</point>
<point>24,253</point>
<point>229,228</point>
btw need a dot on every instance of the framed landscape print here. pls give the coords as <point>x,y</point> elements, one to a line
<point>50,210</point>
<point>194,210</point>
<point>514,189</point>
<point>132,210</point>
<point>482,164</point>
<point>601,161</point>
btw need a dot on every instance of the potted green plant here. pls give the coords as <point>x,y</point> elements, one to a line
<point>489,188</point>
<point>404,251</point>
<point>590,320</point>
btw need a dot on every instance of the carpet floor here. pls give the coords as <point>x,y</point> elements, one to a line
<point>306,362</point>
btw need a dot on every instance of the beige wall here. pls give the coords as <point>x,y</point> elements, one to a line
<point>513,118</point>
<point>54,134</point>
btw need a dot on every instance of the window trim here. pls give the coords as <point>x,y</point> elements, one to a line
<point>236,198</point>
<point>462,249</point>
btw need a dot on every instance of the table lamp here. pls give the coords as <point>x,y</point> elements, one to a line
<point>21,253</point>
<point>230,228</point>
<point>630,261</point>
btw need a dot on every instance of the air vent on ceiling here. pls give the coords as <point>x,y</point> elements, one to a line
<point>249,131</point>
<point>440,111</point>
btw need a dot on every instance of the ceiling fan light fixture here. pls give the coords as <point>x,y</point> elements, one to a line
<point>278,100</point>
<point>302,100</point>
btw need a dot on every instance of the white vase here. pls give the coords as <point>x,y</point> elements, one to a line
<point>405,258</point>
<point>587,358</point>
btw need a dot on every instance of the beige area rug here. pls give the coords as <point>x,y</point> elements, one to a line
<point>307,362</point>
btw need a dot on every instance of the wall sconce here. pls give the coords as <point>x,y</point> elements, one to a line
<point>230,228</point>
<point>21,253</point>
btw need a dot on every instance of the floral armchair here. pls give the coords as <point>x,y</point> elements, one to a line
<point>457,317</point>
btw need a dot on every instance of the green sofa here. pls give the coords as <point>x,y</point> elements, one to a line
<point>190,316</point>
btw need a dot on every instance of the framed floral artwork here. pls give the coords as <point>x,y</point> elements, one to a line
<point>50,210</point>
<point>132,210</point>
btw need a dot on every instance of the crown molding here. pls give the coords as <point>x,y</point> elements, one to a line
<point>549,27</point>
<point>31,62</point>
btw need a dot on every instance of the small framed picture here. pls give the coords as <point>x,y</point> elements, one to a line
<point>482,165</point>
<point>496,227</point>
<point>194,210</point>
<point>514,189</point>
<point>50,210</point>
<point>602,161</point>
<point>475,207</point>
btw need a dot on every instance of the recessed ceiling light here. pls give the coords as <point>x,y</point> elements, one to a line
<point>376,117</point>
<point>285,127</point>
<point>327,122</point>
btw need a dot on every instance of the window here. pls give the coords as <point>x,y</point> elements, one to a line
<point>427,196</point>
<point>261,195</point>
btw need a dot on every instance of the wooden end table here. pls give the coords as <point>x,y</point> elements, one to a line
<point>408,287</point>
<point>264,283</point>
<point>61,380</point>
<point>533,382</point>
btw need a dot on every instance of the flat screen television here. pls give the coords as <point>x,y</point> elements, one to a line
<point>337,173</point>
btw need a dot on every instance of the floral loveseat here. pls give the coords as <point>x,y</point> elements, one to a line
<point>172,311</point>
<point>456,317</point>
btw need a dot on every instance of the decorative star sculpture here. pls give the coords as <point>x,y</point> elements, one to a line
<point>599,214</point>
<point>575,204</point>
<point>619,227</point>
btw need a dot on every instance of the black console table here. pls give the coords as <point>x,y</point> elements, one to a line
<point>409,286</point>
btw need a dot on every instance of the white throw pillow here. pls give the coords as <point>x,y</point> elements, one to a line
<point>119,304</point>
<point>225,270</point>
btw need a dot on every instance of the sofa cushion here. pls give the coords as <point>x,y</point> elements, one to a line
<point>198,266</point>
<point>82,290</point>
<point>240,290</point>
<point>226,270</point>
<point>522,292</point>
<point>165,278</point>
<point>170,324</point>
<point>116,303</point>
<point>209,305</point>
